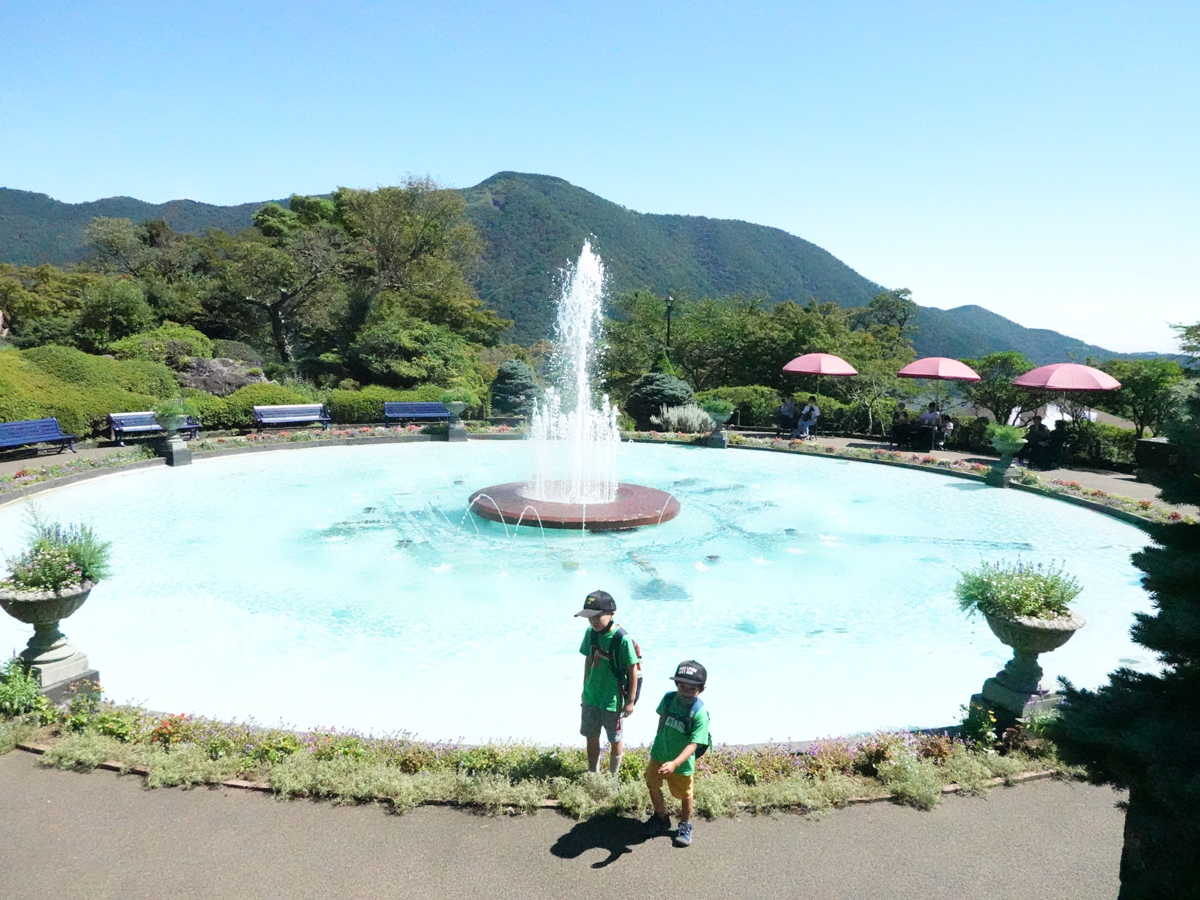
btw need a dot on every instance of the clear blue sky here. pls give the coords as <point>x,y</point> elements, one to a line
<point>1039,159</point>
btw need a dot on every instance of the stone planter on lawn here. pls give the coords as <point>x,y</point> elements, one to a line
<point>1017,688</point>
<point>51,660</point>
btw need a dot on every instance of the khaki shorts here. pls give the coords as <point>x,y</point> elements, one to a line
<point>679,785</point>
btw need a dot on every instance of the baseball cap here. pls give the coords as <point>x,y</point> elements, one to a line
<point>597,602</point>
<point>690,672</point>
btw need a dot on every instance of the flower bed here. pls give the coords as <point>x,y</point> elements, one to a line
<point>909,767</point>
<point>34,474</point>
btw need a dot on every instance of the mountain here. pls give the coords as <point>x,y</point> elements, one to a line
<point>533,225</point>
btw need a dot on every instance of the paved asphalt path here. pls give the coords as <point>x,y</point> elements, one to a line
<point>99,836</point>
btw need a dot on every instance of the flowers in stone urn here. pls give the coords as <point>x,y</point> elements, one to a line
<point>48,581</point>
<point>173,414</point>
<point>57,558</point>
<point>1028,607</point>
<point>1008,589</point>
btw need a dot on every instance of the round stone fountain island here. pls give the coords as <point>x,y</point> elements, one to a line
<point>634,507</point>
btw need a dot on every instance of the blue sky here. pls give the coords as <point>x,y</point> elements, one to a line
<point>1039,159</point>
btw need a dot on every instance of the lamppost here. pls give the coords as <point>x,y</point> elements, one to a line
<point>670,306</point>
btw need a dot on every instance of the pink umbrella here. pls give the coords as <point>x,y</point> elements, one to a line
<point>939,368</point>
<point>1067,377</point>
<point>820,364</point>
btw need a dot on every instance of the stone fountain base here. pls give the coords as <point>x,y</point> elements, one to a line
<point>635,506</point>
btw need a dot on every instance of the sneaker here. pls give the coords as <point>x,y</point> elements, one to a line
<point>683,837</point>
<point>656,825</point>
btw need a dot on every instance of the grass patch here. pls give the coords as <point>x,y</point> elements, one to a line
<point>516,778</point>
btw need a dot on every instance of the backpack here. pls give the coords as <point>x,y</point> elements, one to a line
<point>620,672</point>
<point>688,723</point>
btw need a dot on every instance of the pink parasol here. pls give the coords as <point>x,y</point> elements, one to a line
<point>1067,377</point>
<point>820,364</point>
<point>939,368</point>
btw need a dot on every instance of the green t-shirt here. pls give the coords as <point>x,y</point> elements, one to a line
<point>670,740</point>
<point>601,689</point>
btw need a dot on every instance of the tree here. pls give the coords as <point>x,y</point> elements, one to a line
<point>891,309</point>
<point>513,387</point>
<point>416,252</point>
<point>1148,393</point>
<point>995,391</point>
<point>652,392</point>
<point>112,309</point>
<point>401,351</point>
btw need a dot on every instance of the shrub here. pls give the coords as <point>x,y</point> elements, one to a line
<point>366,405</point>
<point>690,419</point>
<point>58,557</point>
<point>239,406</point>
<point>77,389</point>
<point>212,411</point>
<point>513,388</point>
<point>170,344</point>
<point>755,404</point>
<point>651,393</point>
<point>238,351</point>
<point>717,407</point>
<point>1017,589</point>
<point>1095,442</point>
<point>19,691</point>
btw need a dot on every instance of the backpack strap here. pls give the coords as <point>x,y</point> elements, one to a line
<point>666,705</point>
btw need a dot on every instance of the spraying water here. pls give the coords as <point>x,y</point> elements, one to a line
<point>574,443</point>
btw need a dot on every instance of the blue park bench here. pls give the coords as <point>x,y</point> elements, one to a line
<point>35,431</point>
<point>121,424</point>
<point>296,414</point>
<point>396,410</point>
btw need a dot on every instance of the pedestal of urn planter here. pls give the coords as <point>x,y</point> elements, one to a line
<point>177,453</point>
<point>1017,690</point>
<point>997,476</point>
<point>48,655</point>
<point>719,438</point>
<point>456,431</point>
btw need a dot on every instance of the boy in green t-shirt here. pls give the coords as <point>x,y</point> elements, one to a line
<point>682,729</point>
<point>606,701</point>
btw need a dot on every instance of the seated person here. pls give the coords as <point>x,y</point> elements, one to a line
<point>901,426</point>
<point>946,430</point>
<point>1037,448</point>
<point>808,418</point>
<point>931,417</point>
<point>786,415</point>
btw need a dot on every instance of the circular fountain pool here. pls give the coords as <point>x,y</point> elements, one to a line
<point>348,587</point>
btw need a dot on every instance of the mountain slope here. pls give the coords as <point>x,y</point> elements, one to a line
<point>36,229</point>
<point>533,225</point>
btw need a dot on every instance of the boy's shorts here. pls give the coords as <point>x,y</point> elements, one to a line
<point>679,785</point>
<point>594,718</point>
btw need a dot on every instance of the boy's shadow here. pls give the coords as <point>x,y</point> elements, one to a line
<point>616,834</point>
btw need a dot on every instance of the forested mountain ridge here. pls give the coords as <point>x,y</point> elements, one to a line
<point>534,224</point>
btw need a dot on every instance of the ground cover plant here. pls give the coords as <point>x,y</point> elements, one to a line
<point>348,767</point>
<point>35,474</point>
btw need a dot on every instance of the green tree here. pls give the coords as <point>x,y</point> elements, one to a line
<point>402,351</point>
<point>995,391</point>
<point>112,309</point>
<point>1148,393</point>
<point>652,392</point>
<point>890,309</point>
<point>513,387</point>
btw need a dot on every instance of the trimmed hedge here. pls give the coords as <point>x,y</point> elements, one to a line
<point>754,403</point>
<point>77,389</point>
<point>362,407</point>
<point>237,410</point>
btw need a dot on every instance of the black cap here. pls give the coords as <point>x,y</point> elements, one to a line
<point>597,603</point>
<point>690,672</point>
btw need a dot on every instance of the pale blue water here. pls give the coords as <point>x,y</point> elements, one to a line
<point>817,592</point>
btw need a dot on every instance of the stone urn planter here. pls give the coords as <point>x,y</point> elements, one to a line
<point>456,431</point>
<point>177,453</point>
<point>1017,688</point>
<point>718,437</point>
<point>998,475</point>
<point>48,655</point>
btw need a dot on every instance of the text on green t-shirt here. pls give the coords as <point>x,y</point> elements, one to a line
<point>671,737</point>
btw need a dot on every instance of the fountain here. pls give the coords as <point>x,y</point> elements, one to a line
<point>574,441</point>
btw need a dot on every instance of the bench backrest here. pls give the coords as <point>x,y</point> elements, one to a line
<point>132,419</point>
<point>402,410</point>
<point>30,431</point>
<point>292,413</point>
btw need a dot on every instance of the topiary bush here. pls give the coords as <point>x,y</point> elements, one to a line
<point>170,344</point>
<point>755,405</point>
<point>238,351</point>
<point>651,393</point>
